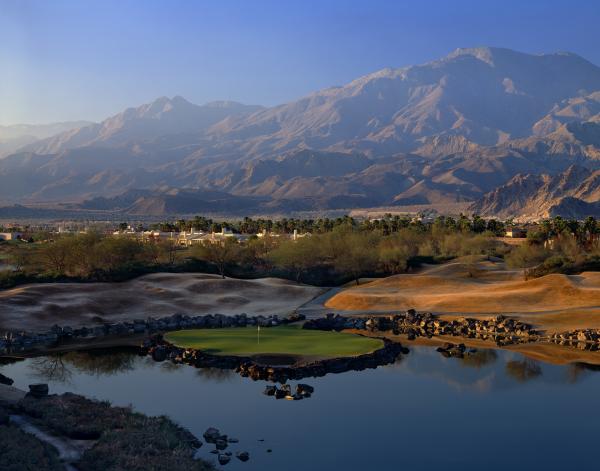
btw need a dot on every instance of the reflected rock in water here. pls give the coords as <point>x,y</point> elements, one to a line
<point>523,370</point>
<point>218,375</point>
<point>9,360</point>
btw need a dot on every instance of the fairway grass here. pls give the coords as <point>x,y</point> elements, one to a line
<point>282,340</point>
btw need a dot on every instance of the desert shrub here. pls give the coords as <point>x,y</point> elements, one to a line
<point>219,254</point>
<point>297,256</point>
<point>143,444</point>
<point>355,254</point>
<point>526,256</point>
<point>553,264</point>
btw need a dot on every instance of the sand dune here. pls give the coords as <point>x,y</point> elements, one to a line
<point>553,301</point>
<point>40,305</point>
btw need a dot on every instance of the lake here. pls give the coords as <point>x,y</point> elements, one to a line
<point>495,410</point>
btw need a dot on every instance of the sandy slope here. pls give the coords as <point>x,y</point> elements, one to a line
<point>40,305</point>
<point>556,302</point>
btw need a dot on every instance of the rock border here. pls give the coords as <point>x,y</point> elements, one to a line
<point>160,350</point>
<point>502,330</point>
<point>22,341</point>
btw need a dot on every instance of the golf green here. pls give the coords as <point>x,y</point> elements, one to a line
<point>282,340</point>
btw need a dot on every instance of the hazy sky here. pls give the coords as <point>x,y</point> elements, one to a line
<point>85,59</point>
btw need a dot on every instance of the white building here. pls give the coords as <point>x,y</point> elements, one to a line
<point>190,238</point>
<point>296,235</point>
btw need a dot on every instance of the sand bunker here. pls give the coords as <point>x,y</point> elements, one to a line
<point>556,302</point>
<point>38,306</point>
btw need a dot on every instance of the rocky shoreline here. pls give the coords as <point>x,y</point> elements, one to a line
<point>20,341</point>
<point>501,330</point>
<point>583,339</point>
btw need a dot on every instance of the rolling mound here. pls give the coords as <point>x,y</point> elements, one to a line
<point>39,306</point>
<point>553,301</point>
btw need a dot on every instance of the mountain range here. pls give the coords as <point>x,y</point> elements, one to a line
<point>574,193</point>
<point>454,130</point>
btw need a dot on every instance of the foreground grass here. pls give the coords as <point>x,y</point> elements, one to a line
<point>123,440</point>
<point>20,451</point>
<point>282,340</point>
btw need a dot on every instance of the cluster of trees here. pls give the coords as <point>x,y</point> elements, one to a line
<point>87,255</point>
<point>255,226</point>
<point>335,250</point>
<point>390,245</point>
<point>558,246</point>
<point>386,225</point>
<point>585,232</point>
<point>348,252</point>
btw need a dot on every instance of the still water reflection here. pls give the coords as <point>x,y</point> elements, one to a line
<point>492,410</point>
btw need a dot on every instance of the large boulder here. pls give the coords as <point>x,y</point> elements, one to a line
<point>38,390</point>
<point>304,389</point>
<point>4,418</point>
<point>5,380</point>
<point>212,434</point>
<point>221,443</point>
<point>160,353</point>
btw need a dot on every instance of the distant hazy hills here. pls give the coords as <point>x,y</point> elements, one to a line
<point>162,117</point>
<point>448,131</point>
<point>17,136</point>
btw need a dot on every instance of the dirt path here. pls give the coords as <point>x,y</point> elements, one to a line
<point>69,451</point>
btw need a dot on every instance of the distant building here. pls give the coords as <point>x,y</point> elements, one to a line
<point>516,233</point>
<point>266,233</point>
<point>296,235</point>
<point>212,238</point>
<point>193,237</point>
<point>156,236</point>
<point>10,235</point>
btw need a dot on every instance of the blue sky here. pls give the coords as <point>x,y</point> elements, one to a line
<point>88,59</point>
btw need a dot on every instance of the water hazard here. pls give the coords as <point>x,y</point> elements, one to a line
<point>492,410</point>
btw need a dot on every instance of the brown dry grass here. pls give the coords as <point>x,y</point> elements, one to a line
<point>39,306</point>
<point>553,302</point>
